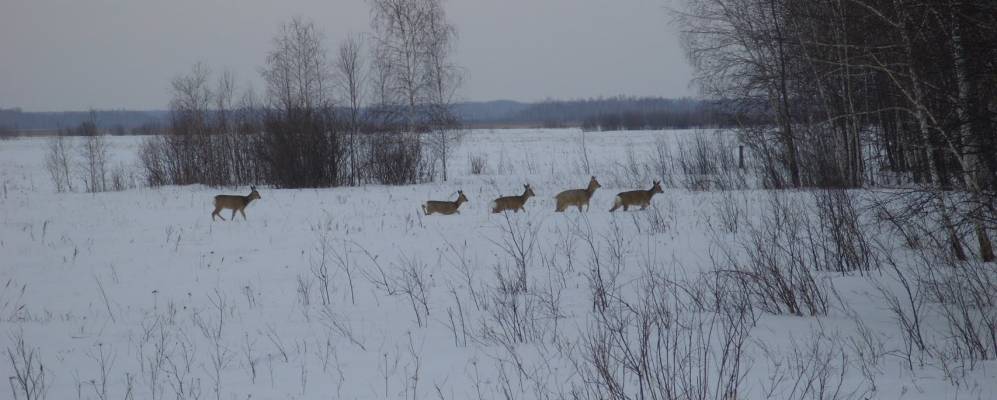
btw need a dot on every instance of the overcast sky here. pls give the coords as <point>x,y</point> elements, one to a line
<point>80,54</point>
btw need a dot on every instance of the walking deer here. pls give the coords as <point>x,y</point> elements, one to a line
<point>640,198</point>
<point>577,197</point>
<point>235,203</point>
<point>514,203</point>
<point>444,207</point>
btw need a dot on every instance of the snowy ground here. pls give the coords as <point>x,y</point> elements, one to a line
<point>142,290</point>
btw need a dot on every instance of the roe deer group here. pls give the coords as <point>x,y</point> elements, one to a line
<point>514,203</point>
<point>640,198</point>
<point>444,207</point>
<point>234,203</point>
<point>577,197</point>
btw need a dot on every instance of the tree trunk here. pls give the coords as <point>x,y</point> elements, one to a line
<point>971,161</point>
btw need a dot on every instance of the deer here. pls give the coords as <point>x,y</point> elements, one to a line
<point>445,207</point>
<point>235,203</point>
<point>636,197</point>
<point>577,197</point>
<point>514,203</point>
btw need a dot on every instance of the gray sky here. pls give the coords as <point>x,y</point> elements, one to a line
<point>78,54</point>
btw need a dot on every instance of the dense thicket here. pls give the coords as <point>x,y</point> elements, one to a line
<point>863,92</point>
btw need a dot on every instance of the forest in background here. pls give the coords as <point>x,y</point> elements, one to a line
<point>598,113</point>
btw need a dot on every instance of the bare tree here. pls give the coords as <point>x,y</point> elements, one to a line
<point>186,144</point>
<point>400,35</point>
<point>444,78</point>
<point>351,80</point>
<point>300,142</point>
<point>413,46</point>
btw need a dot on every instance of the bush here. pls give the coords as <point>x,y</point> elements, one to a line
<point>394,158</point>
<point>478,164</point>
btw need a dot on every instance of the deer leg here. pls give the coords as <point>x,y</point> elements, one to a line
<point>217,212</point>
<point>232,218</point>
<point>243,212</point>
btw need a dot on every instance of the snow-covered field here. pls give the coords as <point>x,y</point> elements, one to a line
<point>353,293</point>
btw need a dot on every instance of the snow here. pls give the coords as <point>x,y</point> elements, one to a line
<point>119,272</point>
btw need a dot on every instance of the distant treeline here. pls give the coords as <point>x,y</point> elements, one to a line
<point>604,113</point>
<point>613,113</point>
<point>119,122</point>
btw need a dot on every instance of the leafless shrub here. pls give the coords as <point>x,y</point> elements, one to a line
<point>181,358</point>
<point>815,370</point>
<point>867,346</point>
<point>94,157</point>
<point>708,163</point>
<point>606,262</point>
<point>30,378</point>
<point>842,237</point>
<point>122,178</point>
<point>730,210</point>
<point>394,159</point>
<point>966,297</point>
<point>662,163</point>
<point>444,137</point>
<point>514,314</point>
<point>104,361</point>
<point>518,241</point>
<point>656,344</point>
<point>456,321</point>
<point>152,158</point>
<point>320,260</point>
<point>478,164</point>
<point>58,162</point>
<point>213,329</point>
<point>585,153</point>
<point>414,284</point>
<point>460,260</point>
<point>340,325</point>
<point>779,268</point>
<point>250,357</point>
<point>511,315</point>
<point>962,294</point>
<point>154,350</point>
<point>345,263</point>
<point>304,290</point>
